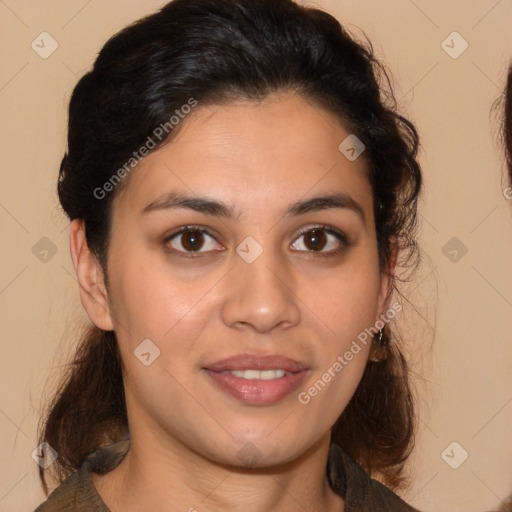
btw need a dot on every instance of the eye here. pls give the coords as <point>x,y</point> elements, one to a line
<point>321,239</point>
<point>192,239</point>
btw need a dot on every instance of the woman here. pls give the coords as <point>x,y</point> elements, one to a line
<point>240,193</point>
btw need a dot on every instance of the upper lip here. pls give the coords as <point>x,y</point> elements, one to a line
<point>256,362</point>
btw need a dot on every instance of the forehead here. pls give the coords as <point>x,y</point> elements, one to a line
<point>276,150</point>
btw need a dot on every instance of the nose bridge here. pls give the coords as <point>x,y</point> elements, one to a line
<point>260,291</point>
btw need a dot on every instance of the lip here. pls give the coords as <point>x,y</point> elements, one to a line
<point>256,362</point>
<point>256,391</point>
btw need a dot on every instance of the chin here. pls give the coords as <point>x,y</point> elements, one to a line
<point>262,452</point>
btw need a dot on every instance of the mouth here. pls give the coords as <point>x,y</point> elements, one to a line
<point>257,380</point>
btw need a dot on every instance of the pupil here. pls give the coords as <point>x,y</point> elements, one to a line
<point>192,240</point>
<point>315,239</point>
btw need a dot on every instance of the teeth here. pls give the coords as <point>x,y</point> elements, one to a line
<point>257,374</point>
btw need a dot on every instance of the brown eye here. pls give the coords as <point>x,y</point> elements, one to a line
<point>191,240</point>
<point>325,241</point>
<point>315,240</point>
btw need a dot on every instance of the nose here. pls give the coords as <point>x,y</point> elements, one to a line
<point>261,295</point>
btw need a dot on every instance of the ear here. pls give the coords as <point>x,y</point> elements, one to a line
<point>387,277</point>
<point>93,292</point>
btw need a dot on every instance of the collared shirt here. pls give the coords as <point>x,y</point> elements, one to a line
<point>347,478</point>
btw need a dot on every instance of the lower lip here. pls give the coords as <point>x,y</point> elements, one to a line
<point>257,391</point>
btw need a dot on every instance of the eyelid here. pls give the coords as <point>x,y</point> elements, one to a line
<point>192,227</point>
<point>339,234</point>
<point>328,228</point>
<point>184,229</point>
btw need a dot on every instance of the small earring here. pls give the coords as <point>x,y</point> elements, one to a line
<point>378,349</point>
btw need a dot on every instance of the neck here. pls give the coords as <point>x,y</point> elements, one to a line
<point>174,478</point>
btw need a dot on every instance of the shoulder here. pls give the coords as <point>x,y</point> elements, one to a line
<point>68,496</point>
<point>361,492</point>
<point>77,492</point>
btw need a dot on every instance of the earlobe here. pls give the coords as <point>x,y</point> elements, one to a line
<point>93,293</point>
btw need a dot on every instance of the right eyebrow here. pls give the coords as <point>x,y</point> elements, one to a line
<point>198,204</point>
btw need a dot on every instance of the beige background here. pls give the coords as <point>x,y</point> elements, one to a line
<point>465,390</point>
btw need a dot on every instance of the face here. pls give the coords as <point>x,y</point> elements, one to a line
<point>245,251</point>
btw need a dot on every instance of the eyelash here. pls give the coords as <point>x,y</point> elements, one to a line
<point>342,238</point>
<point>330,230</point>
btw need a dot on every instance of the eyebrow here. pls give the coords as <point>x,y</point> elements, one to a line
<point>216,208</point>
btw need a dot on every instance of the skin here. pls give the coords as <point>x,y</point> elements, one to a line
<point>186,433</point>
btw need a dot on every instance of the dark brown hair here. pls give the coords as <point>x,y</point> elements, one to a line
<point>507,123</point>
<point>215,51</point>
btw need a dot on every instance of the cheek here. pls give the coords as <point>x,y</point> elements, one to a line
<point>149,301</point>
<point>347,302</point>
<point>345,307</point>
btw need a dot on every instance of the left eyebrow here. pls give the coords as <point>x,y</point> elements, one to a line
<point>318,203</point>
<point>219,209</point>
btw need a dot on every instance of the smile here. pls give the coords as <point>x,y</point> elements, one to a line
<point>258,374</point>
